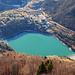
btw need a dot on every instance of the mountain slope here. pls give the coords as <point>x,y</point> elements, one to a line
<point>62,12</point>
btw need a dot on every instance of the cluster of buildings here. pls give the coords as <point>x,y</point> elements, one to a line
<point>41,23</point>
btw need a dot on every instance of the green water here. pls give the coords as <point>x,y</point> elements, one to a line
<point>38,44</point>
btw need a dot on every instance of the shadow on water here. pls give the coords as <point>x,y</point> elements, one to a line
<point>17,36</point>
<point>24,33</point>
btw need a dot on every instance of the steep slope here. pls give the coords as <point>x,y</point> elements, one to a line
<point>62,12</point>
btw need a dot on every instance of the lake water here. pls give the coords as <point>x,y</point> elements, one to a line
<point>38,44</point>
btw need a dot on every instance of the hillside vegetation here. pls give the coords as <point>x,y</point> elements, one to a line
<point>16,26</point>
<point>12,63</point>
<point>61,11</point>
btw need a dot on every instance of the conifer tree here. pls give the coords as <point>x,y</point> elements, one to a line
<point>50,67</point>
<point>42,69</point>
<point>47,62</point>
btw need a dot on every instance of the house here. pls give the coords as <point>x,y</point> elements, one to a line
<point>48,30</point>
<point>50,23</point>
<point>47,23</point>
<point>2,22</point>
<point>43,25</point>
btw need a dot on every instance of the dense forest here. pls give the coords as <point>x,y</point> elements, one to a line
<point>61,11</point>
<point>15,27</point>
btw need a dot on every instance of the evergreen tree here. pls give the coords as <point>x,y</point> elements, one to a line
<point>42,69</point>
<point>47,62</point>
<point>50,67</point>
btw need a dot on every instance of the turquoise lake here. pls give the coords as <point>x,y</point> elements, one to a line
<point>38,44</point>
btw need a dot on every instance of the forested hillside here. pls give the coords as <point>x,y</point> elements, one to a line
<point>15,27</point>
<point>13,63</point>
<point>62,12</point>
